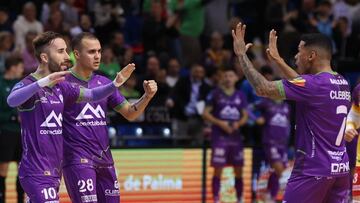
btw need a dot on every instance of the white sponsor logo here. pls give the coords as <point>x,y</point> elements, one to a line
<point>340,167</point>
<point>336,153</point>
<point>89,198</point>
<point>98,112</point>
<point>279,120</point>
<point>49,121</point>
<point>109,192</point>
<point>340,95</point>
<point>88,112</point>
<point>338,81</point>
<point>229,112</point>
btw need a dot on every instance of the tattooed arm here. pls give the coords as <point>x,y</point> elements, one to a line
<point>132,111</point>
<point>262,86</point>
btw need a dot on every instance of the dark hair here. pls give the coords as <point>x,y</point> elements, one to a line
<point>77,40</point>
<point>43,40</point>
<point>318,40</point>
<point>228,69</point>
<point>12,60</point>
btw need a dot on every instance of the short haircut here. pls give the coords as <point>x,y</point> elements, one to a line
<point>12,60</point>
<point>319,41</point>
<point>228,69</point>
<point>76,42</point>
<point>43,40</point>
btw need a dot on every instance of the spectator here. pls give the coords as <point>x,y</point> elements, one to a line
<point>70,12</point>
<point>107,18</point>
<point>10,136</point>
<point>85,26</point>
<point>155,31</point>
<point>191,14</point>
<point>151,70</point>
<point>216,17</point>
<point>25,23</point>
<point>5,24</point>
<point>109,65</point>
<point>216,56</point>
<point>187,94</point>
<point>55,23</point>
<point>323,21</point>
<point>28,54</point>
<point>6,42</point>
<point>122,52</point>
<point>48,8</point>
<point>173,72</point>
<point>340,35</point>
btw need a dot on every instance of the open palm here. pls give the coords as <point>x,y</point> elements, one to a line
<point>238,34</point>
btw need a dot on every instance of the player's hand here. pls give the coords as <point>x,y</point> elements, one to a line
<point>240,48</point>
<point>124,74</point>
<point>350,134</point>
<point>237,125</point>
<point>272,52</point>
<point>224,125</point>
<point>150,88</point>
<point>53,78</point>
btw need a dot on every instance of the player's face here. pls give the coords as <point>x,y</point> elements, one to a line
<point>89,55</point>
<point>302,59</point>
<point>58,58</point>
<point>229,79</point>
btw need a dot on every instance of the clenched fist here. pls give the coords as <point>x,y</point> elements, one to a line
<point>150,88</point>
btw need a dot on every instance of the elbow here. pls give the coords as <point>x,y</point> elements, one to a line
<point>131,117</point>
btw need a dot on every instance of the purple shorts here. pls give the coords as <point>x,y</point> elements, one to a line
<point>275,153</point>
<point>86,183</point>
<point>41,188</point>
<point>227,153</point>
<point>351,151</point>
<point>305,189</point>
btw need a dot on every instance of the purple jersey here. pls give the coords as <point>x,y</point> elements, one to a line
<point>322,104</point>
<point>276,130</point>
<point>85,130</point>
<point>41,128</point>
<point>227,108</point>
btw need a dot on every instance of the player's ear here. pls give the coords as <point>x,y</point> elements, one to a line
<point>44,57</point>
<point>76,53</point>
<point>312,55</point>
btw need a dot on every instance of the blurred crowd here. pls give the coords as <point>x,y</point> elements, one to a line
<point>182,44</point>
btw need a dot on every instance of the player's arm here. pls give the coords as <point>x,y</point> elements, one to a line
<point>20,94</point>
<point>273,55</point>
<point>262,86</point>
<point>215,121</point>
<point>131,111</point>
<point>353,123</point>
<point>99,93</point>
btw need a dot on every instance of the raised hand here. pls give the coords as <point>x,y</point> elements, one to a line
<point>124,74</point>
<point>272,51</point>
<point>150,88</point>
<point>53,78</point>
<point>240,48</point>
